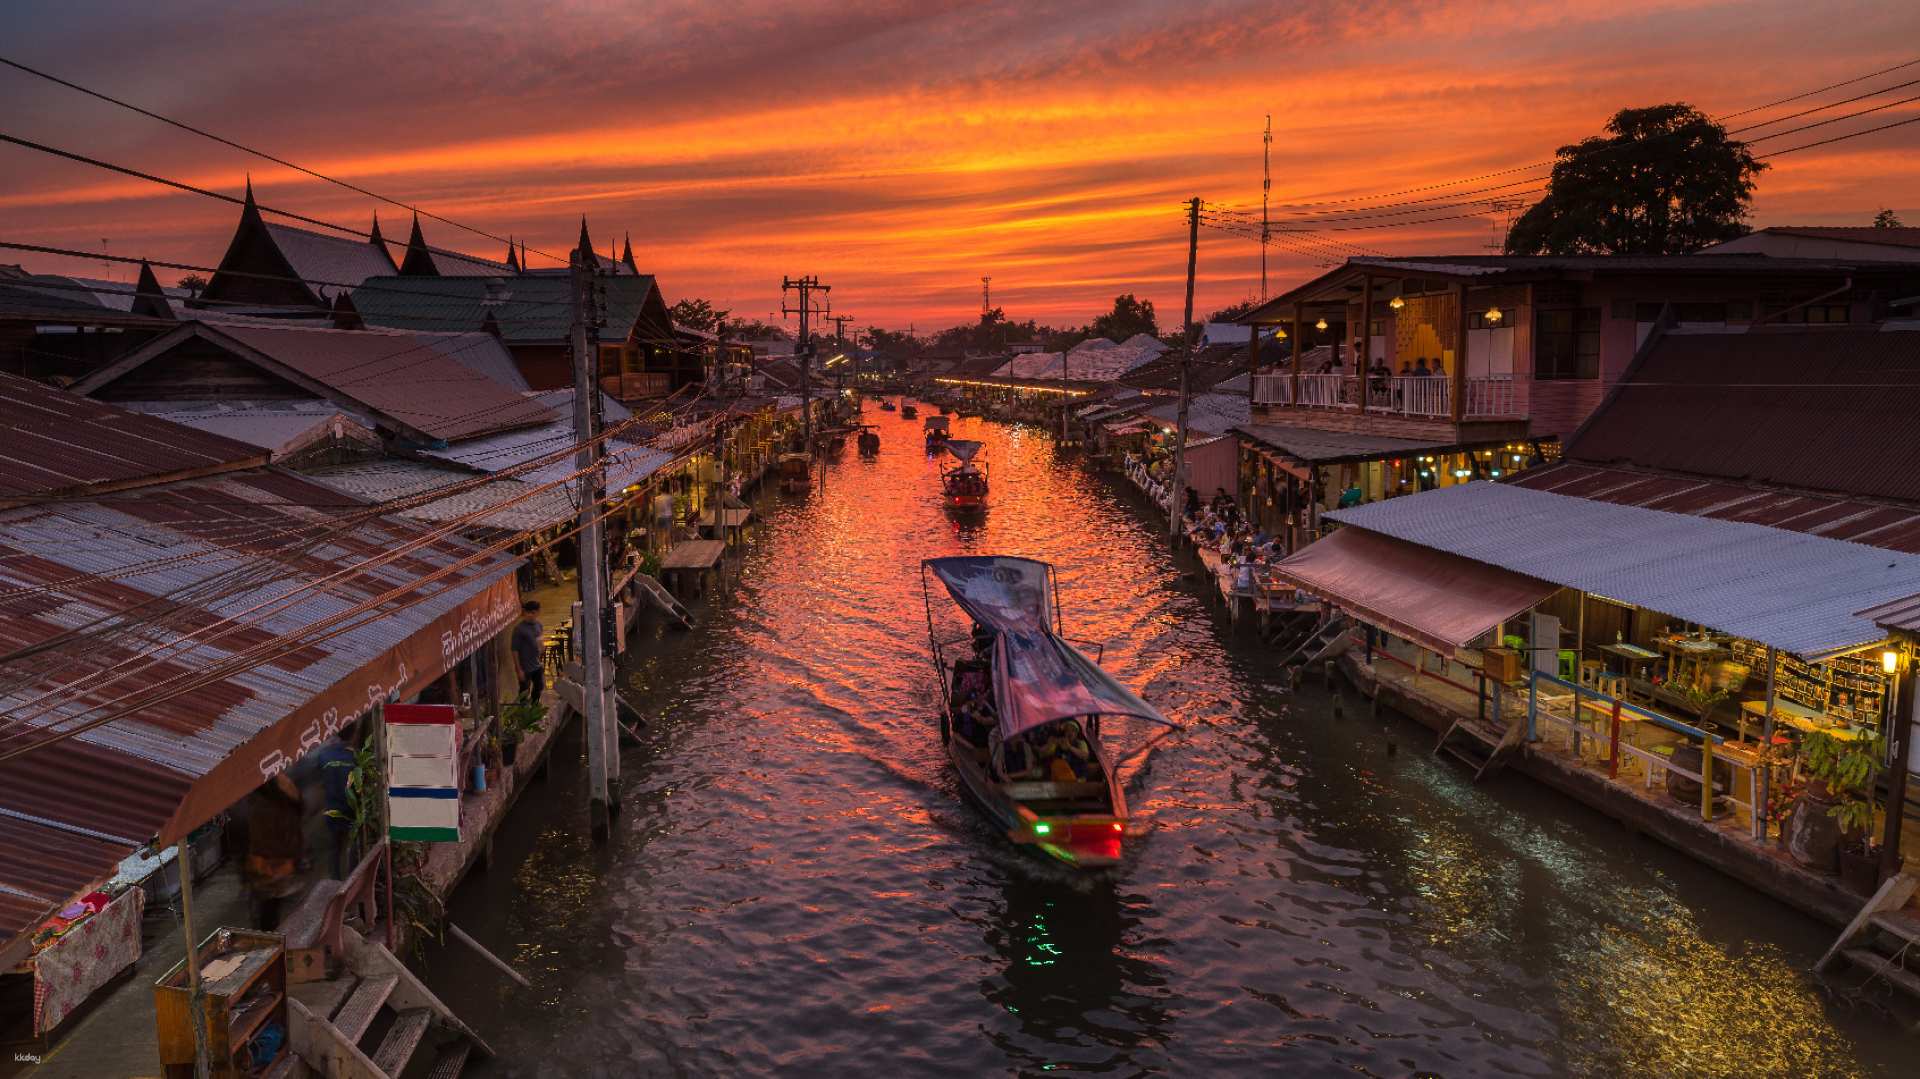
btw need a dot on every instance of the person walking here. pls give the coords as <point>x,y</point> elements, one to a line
<point>526,652</point>
<point>336,760</point>
<point>275,844</point>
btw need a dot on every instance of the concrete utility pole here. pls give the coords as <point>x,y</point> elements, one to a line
<point>1266,189</point>
<point>593,559</point>
<point>806,286</point>
<point>1178,487</point>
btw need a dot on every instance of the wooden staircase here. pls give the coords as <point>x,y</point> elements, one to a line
<point>1327,640</point>
<point>374,1019</point>
<point>1481,746</point>
<point>646,585</point>
<point>1883,940</point>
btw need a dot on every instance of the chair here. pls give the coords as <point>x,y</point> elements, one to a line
<point>1567,660</point>
<point>1590,671</point>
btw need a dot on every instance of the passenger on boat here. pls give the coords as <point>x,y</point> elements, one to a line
<point>1067,754</point>
<point>1018,761</point>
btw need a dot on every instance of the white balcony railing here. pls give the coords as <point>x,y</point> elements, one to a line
<point>1425,397</point>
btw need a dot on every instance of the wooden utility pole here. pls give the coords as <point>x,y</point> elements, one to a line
<point>806,286</point>
<point>1178,487</point>
<point>593,558</point>
<point>197,995</point>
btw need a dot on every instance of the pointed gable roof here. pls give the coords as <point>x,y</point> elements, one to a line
<point>149,298</point>
<point>626,254</point>
<point>419,262</point>
<point>584,249</point>
<point>280,265</point>
<point>513,257</point>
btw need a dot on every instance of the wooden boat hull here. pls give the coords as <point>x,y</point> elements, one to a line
<point>1081,840</point>
<point>966,502</point>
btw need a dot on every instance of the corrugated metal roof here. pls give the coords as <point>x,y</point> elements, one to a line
<point>276,426</point>
<point>1866,234</point>
<point>53,441</point>
<point>381,481</point>
<point>1207,413</point>
<point>1309,445</point>
<point>1900,614</point>
<point>176,551</point>
<point>1875,524</point>
<point>1797,592</point>
<point>1827,408</point>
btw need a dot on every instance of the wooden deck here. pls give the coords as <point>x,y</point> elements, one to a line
<point>694,554</point>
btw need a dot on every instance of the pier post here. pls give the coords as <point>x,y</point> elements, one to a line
<point>1613,744</point>
<point>1706,779</point>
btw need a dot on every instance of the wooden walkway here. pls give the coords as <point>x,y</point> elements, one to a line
<point>694,554</point>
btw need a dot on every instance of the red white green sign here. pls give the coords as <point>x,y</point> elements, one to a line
<point>423,773</point>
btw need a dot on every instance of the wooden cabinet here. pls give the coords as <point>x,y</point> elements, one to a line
<point>244,989</point>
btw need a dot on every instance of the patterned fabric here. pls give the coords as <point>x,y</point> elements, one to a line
<point>90,955</point>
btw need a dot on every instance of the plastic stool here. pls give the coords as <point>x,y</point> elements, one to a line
<point>1566,664</point>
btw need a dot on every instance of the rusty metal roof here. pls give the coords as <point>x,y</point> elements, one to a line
<point>411,380</point>
<point>52,441</point>
<point>245,546</point>
<point>1875,524</point>
<point>1828,408</point>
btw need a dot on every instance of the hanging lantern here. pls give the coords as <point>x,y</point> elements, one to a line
<point>1320,324</point>
<point>1396,303</point>
<point>1493,314</point>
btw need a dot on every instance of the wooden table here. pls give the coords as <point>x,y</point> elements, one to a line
<point>1799,717</point>
<point>1629,654</point>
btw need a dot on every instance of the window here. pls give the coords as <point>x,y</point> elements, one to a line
<point>1566,343</point>
<point>1683,312</point>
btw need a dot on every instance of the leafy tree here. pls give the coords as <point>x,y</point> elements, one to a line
<point>192,282</point>
<point>1664,180</point>
<point>1234,310</point>
<point>1128,317</point>
<point>898,344</point>
<point>1885,219</point>
<point>698,314</point>
<point>745,329</point>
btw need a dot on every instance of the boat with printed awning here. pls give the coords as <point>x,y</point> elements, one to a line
<point>1023,712</point>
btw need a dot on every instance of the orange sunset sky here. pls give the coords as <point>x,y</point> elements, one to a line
<point>902,150</point>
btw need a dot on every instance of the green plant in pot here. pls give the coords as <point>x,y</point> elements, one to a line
<point>519,719</point>
<point>1832,823</point>
<point>366,791</point>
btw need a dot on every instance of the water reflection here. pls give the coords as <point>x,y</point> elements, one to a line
<point>797,886</point>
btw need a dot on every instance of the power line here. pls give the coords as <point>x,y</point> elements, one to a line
<point>182,125</point>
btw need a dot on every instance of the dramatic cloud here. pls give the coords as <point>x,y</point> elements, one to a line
<point>903,150</point>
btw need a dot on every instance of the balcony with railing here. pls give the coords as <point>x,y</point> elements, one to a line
<point>1490,397</point>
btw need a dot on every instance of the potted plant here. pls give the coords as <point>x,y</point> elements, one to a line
<point>365,793</point>
<point>1837,803</point>
<point>518,720</point>
<point>1857,768</point>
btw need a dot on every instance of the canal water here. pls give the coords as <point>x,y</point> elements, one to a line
<point>795,885</point>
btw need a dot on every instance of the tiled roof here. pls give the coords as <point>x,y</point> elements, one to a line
<point>53,441</point>
<point>528,308</point>
<point>319,256</point>
<point>409,379</point>
<point>1826,408</point>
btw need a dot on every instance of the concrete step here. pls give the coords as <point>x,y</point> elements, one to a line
<point>1881,966</point>
<point>356,1015</point>
<point>451,1060</point>
<point>401,1040</point>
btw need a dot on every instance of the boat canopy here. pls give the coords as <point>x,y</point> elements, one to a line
<point>936,423</point>
<point>1038,678</point>
<point>964,448</point>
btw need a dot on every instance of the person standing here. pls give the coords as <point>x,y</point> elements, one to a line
<point>336,761</point>
<point>526,652</point>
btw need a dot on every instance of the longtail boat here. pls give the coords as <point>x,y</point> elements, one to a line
<point>908,412</point>
<point>868,440</point>
<point>1021,712</point>
<point>938,430</point>
<point>964,486</point>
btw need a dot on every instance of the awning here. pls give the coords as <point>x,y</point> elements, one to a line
<point>1436,600</point>
<point>1128,427</point>
<point>1037,677</point>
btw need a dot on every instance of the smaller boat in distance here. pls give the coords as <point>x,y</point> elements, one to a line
<point>886,405</point>
<point>964,486</point>
<point>795,473</point>
<point>1022,712</point>
<point>938,428</point>
<point>908,411</point>
<point>869,441</point>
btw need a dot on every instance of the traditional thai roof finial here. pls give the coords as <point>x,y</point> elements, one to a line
<point>373,234</point>
<point>149,298</point>
<point>626,255</point>
<point>419,261</point>
<point>513,259</point>
<point>585,248</point>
